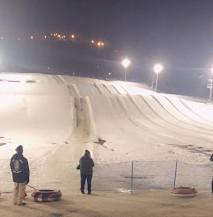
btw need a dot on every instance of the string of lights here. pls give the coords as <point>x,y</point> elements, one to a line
<point>62,37</point>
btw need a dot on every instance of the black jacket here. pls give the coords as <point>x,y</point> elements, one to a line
<point>86,165</point>
<point>20,169</point>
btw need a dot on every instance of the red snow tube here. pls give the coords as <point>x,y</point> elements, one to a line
<point>46,195</point>
<point>183,192</point>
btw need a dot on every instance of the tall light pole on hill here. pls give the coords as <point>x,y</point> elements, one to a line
<point>158,68</point>
<point>125,62</point>
<point>209,85</point>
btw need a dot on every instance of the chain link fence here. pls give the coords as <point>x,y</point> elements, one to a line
<point>150,175</point>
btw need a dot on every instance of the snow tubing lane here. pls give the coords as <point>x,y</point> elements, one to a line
<point>183,192</point>
<point>46,195</point>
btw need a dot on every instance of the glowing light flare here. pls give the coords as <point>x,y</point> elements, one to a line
<point>73,36</point>
<point>158,68</point>
<point>60,37</point>
<point>126,62</point>
<point>99,44</point>
<point>92,41</point>
<point>31,37</point>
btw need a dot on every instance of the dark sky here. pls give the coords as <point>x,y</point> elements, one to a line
<point>179,33</point>
<point>163,29</point>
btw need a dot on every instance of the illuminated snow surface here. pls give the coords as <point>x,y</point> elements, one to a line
<point>57,117</point>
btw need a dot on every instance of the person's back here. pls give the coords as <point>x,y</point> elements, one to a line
<point>19,168</point>
<point>20,172</point>
<point>86,168</point>
<point>86,164</point>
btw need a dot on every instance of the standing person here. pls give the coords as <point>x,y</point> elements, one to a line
<point>211,159</point>
<point>86,168</point>
<point>20,171</point>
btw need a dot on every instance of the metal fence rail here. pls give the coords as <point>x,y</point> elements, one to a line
<point>150,175</point>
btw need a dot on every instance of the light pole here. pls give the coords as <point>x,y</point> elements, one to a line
<point>209,85</point>
<point>125,62</point>
<point>157,69</point>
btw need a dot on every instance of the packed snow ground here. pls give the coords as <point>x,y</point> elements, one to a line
<point>144,203</point>
<point>57,117</point>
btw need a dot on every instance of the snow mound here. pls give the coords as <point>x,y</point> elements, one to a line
<point>57,117</point>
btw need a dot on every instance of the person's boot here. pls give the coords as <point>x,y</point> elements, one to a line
<point>89,192</point>
<point>82,191</point>
<point>21,204</point>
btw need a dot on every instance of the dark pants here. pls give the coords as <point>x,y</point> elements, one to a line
<point>85,177</point>
<point>212,185</point>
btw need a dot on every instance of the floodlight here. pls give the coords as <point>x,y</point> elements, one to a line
<point>158,68</point>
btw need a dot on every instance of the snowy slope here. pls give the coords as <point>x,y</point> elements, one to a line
<point>57,117</point>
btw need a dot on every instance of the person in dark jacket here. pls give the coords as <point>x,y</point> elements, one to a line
<point>20,172</point>
<point>211,159</point>
<point>86,167</point>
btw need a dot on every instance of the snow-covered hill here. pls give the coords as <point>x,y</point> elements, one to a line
<point>57,117</point>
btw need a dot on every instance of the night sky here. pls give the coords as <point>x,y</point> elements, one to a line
<point>178,33</point>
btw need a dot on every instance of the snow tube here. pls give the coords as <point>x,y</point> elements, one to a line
<point>183,192</point>
<point>46,195</point>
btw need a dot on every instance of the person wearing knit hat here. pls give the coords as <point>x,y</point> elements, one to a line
<point>20,172</point>
<point>87,152</point>
<point>86,165</point>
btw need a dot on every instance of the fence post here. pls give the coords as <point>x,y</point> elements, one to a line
<point>132,179</point>
<point>175,173</point>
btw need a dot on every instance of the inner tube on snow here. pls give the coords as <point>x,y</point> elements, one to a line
<point>46,195</point>
<point>183,192</point>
